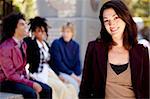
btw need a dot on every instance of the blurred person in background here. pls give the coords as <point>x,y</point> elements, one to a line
<point>13,77</point>
<point>65,56</point>
<point>38,55</point>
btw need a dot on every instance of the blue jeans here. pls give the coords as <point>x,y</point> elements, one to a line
<point>26,91</point>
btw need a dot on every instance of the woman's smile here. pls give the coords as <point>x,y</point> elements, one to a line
<point>114,29</point>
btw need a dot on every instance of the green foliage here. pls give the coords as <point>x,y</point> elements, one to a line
<point>140,8</point>
<point>27,7</point>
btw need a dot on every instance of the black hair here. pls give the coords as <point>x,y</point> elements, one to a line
<point>9,24</point>
<point>38,22</point>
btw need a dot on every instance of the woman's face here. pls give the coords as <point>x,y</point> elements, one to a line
<point>114,25</point>
<point>40,33</point>
<point>67,34</point>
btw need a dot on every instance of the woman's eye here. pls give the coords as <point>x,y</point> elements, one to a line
<point>38,30</point>
<point>105,21</point>
<point>116,18</point>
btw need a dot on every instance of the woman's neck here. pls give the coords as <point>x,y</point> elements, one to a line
<point>41,41</point>
<point>119,41</point>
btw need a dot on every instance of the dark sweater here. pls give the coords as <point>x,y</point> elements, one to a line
<point>65,56</point>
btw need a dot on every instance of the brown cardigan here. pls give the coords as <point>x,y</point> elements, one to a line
<point>95,71</point>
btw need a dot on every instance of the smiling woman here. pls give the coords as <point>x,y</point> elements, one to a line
<point>115,65</point>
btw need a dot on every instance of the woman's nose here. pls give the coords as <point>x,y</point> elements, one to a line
<point>111,22</point>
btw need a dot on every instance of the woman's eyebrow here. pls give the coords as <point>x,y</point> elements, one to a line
<point>111,16</point>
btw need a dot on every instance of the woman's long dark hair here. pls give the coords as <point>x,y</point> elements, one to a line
<point>130,32</point>
<point>9,24</point>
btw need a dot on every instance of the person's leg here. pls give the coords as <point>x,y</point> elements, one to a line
<point>71,80</point>
<point>46,92</point>
<point>18,88</point>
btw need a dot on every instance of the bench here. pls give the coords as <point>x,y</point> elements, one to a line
<point>5,95</point>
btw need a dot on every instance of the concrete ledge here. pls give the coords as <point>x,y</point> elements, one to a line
<point>5,95</point>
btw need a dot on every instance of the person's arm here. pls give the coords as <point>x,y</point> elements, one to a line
<point>85,87</point>
<point>7,65</point>
<point>57,59</point>
<point>77,69</point>
<point>145,80</point>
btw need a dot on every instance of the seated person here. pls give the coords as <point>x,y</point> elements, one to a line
<point>13,77</point>
<point>38,56</point>
<point>65,56</point>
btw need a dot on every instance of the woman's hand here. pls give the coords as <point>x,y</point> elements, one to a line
<point>76,78</point>
<point>63,79</point>
<point>37,87</point>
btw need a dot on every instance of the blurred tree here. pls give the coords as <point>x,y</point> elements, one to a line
<point>140,8</point>
<point>6,7</point>
<point>27,7</point>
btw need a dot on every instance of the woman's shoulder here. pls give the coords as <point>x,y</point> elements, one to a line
<point>98,42</point>
<point>140,49</point>
<point>96,45</point>
<point>29,41</point>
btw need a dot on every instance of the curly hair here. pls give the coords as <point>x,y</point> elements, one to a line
<point>38,22</point>
<point>9,24</point>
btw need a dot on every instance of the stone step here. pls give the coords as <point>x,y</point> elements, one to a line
<point>5,95</point>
